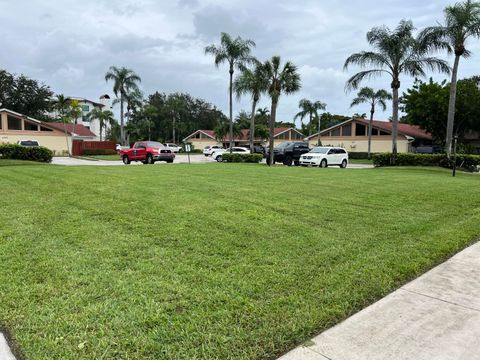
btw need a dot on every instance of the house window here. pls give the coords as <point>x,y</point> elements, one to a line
<point>384,133</point>
<point>0,121</point>
<point>85,108</point>
<point>30,127</point>
<point>14,123</point>
<point>336,132</point>
<point>296,136</point>
<point>360,130</point>
<point>347,130</point>
<point>44,129</point>
<point>375,132</point>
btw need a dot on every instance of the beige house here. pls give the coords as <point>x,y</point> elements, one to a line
<point>202,138</point>
<point>353,136</point>
<point>15,127</point>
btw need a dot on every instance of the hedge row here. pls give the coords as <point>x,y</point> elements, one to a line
<point>18,152</point>
<point>99,152</point>
<point>245,158</point>
<point>469,162</point>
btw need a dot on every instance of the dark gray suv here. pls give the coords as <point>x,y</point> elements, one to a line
<point>289,152</point>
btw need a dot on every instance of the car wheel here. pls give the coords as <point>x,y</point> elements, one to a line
<point>126,161</point>
<point>343,165</point>
<point>288,161</point>
<point>296,163</point>
<point>150,159</point>
<point>323,163</point>
<point>170,161</point>
<point>219,158</point>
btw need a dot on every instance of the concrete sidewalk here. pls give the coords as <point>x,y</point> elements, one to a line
<point>5,353</point>
<point>436,316</point>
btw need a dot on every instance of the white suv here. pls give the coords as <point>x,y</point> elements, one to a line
<point>173,147</point>
<point>209,150</point>
<point>324,156</point>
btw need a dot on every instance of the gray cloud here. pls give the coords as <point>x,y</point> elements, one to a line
<point>70,45</point>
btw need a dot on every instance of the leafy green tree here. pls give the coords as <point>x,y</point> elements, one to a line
<point>251,82</point>
<point>373,98</point>
<point>262,116</point>
<point>426,104</point>
<point>223,129</point>
<point>104,117</point>
<point>281,80</point>
<point>462,21</point>
<point>24,95</point>
<point>125,82</point>
<point>395,53</point>
<point>359,116</point>
<point>237,53</point>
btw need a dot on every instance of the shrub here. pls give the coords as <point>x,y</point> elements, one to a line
<point>359,155</point>
<point>18,152</point>
<point>99,152</point>
<point>246,158</point>
<point>469,162</point>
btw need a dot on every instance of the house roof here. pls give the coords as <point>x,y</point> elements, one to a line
<point>72,129</point>
<point>409,130</point>
<point>84,100</point>
<point>245,133</point>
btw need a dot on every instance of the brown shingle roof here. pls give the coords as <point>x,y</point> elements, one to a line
<point>76,129</point>
<point>406,129</point>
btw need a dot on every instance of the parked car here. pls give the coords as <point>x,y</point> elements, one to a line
<point>288,152</point>
<point>174,147</point>
<point>147,152</point>
<point>28,143</point>
<point>218,154</point>
<point>208,150</point>
<point>323,156</point>
<point>429,149</point>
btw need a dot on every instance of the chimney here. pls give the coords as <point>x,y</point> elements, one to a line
<point>105,101</point>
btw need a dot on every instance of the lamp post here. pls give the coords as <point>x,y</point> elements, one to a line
<point>455,139</point>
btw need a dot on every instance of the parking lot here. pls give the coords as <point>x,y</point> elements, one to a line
<point>179,159</point>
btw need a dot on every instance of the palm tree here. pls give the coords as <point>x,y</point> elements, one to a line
<point>360,116</point>
<point>124,81</point>
<point>223,129</point>
<point>311,109</point>
<point>75,111</point>
<point>104,117</point>
<point>254,83</point>
<point>281,80</point>
<point>373,98</point>
<point>396,52</point>
<point>462,21</point>
<point>236,52</point>
<point>61,105</point>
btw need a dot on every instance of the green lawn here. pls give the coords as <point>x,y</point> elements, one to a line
<point>360,161</point>
<point>217,261</point>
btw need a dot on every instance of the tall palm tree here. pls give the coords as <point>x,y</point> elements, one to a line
<point>104,117</point>
<point>462,21</point>
<point>61,104</point>
<point>367,95</point>
<point>395,53</point>
<point>311,109</point>
<point>255,83</point>
<point>124,81</point>
<point>237,53</point>
<point>281,80</point>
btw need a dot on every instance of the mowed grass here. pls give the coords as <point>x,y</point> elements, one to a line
<point>217,261</point>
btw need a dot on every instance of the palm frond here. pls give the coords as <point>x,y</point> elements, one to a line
<point>355,80</point>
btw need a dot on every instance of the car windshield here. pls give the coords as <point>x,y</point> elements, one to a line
<point>154,144</point>
<point>282,145</point>
<point>319,150</point>
<point>29,143</point>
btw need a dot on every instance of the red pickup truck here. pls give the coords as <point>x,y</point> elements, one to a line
<point>147,152</point>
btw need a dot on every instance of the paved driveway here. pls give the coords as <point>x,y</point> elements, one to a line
<point>179,159</point>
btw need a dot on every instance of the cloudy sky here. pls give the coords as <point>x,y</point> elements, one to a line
<point>69,45</point>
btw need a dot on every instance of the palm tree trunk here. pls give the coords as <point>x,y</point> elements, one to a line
<point>122,129</point>
<point>66,134</point>
<point>101,131</point>
<point>394,124</point>
<point>273,115</point>
<point>231,107</point>
<point>370,123</point>
<point>252,127</point>
<point>310,126</point>
<point>173,128</point>
<point>451,107</point>
<point>319,140</point>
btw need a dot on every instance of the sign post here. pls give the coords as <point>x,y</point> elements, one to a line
<point>188,148</point>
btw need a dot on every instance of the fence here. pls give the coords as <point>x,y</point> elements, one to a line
<point>79,145</point>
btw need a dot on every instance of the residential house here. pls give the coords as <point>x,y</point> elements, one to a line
<point>202,138</point>
<point>15,127</point>
<point>353,136</point>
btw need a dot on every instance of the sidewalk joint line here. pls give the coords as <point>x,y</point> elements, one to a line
<point>442,300</point>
